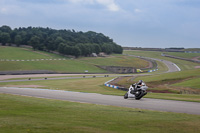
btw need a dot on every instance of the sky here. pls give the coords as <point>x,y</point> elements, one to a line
<point>131,23</point>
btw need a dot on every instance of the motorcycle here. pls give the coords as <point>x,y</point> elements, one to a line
<point>136,92</point>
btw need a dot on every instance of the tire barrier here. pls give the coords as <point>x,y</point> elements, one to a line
<point>114,86</point>
<point>152,70</point>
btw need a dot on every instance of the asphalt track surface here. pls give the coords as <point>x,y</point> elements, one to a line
<point>171,66</point>
<point>93,98</point>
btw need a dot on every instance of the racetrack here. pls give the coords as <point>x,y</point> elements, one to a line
<point>145,103</point>
<point>172,67</point>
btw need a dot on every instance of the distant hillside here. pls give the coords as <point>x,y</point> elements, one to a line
<point>67,42</point>
<point>21,60</point>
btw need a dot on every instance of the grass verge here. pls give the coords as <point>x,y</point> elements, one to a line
<point>33,115</point>
<point>91,85</point>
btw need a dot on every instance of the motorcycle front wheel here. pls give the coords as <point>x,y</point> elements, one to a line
<point>125,95</point>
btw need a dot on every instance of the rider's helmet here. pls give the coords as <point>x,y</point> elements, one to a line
<point>140,81</point>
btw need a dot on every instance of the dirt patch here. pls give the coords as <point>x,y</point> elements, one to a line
<point>197,67</point>
<point>150,65</point>
<point>196,58</point>
<point>26,86</point>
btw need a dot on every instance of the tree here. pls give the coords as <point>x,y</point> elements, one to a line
<point>107,48</point>
<point>117,49</point>
<point>4,38</point>
<point>68,50</point>
<point>18,40</point>
<point>25,37</point>
<point>61,48</point>
<point>50,39</point>
<point>83,49</point>
<point>5,29</point>
<point>35,42</point>
<point>59,40</point>
<point>76,51</point>
<point>50,45</point>
<point>97,48</point>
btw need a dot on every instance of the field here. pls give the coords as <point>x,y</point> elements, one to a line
<point>33,115</point>
<point>19,114</point>
<point>91,85</point>
<point>183,82</point>
<point>68,65</point>
<point>184,55</point>
<point>184,65</point>
<point>24,53</point>
<point>117,60</point>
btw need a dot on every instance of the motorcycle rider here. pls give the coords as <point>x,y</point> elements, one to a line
<point>138,85</point>
<point>136,90</point>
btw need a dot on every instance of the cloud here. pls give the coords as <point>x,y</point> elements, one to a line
<point>12,10</point>
<point>137,10</point>
<point>3,10</point>
<point>82,1</point>
<point>109,4</point>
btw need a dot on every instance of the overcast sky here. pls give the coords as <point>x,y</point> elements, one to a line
<point>134,23</point>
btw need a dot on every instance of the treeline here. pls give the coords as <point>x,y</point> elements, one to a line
<point>67,42</point>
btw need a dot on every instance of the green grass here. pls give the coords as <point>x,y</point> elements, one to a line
<point>24,54</point>
<point>192,49</point>
<point>183,82</point>
<point>67,66</point>
<point>33,115</point>
<point>184,65</point>
<point>91,85</point>
<point>171,76</point>
<point>166,76</point>
<point>117,60</point>
<point>177,82</point>
<point>192,83</point>
<point>161,68</point>
<point>152,54</point>
<point>183,55</point>
<point>178,97</point>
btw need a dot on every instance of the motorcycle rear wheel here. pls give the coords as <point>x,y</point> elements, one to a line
<point>139,95</point>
